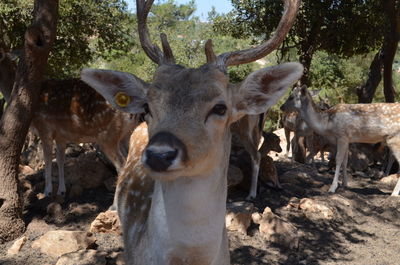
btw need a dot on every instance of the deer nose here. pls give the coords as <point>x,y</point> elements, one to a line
<point>160,160</point>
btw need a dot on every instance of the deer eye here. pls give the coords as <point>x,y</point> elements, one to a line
<point>219,109</point>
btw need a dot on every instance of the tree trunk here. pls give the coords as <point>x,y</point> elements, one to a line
<point>391,41</point>
<point>2,103</point>
<point>16,119</point>
<point>367,91</point>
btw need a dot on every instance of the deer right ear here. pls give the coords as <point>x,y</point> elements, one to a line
<point>303,90</point>
<point>263,88</point>
<point>123,91</point>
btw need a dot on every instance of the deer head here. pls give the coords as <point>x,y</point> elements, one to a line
<point>189,110</point>
<point>298,99</point>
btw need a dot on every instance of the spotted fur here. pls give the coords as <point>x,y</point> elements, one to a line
<point>350,123</point>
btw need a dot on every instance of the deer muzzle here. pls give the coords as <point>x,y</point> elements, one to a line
<point>164,152</point>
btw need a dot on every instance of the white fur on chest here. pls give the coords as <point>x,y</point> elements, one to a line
<point>188,213</point>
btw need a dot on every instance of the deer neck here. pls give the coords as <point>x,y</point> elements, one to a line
<point>186,223</point>
<point>316,119</point>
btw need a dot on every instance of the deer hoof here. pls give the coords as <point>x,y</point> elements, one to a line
<point>250,197</point>
<point>332,189</point>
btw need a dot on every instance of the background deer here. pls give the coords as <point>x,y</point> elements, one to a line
<point>268,172</point>
<point>304,137</point>
<point>70,111</point>
<point>249,130</point>
<point>172,203</point>
<point>350,123</point>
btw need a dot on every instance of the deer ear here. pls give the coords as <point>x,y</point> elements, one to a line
<point>303,90</point>
<point>264,88</point>
<point>123,91</point>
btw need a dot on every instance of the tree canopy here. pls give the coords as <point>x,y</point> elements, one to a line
<point>344,28</point>
<point>87,29</point>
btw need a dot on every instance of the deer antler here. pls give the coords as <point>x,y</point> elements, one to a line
<point>252,54</point>
<point>151,49</point>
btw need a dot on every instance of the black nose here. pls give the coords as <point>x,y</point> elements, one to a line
<point>160,161</point>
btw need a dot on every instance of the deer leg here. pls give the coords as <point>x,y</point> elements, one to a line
<point>394,144</point>
<point>254,175</point>
<point>344,168</point>
<point>389,163</point>
<point>47,145</point>
<point>293,143</point>
<point>310,147</point>
<point>60,154</point>
<point>287,136</point>
<point>342,146</point>
<point>255,167</point>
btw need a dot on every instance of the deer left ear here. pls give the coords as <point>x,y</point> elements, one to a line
<point>264,88</point>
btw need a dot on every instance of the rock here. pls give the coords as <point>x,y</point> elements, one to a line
<point>82,209</point>
<point>40,196</point>
<point>117,258</point>
<point>26,170</point>
<point>54,210</point>
<point>37,227</point>
<point>59,242</point>
<point>390,180</point>
<point>238,216</point>
<point>361,174</point>
<point>235,176</point>
<point>315,210</point>
<point>87,170</point>
<point>277,230</point>
<point>17,245</point>
<point>106,222</point>
<point>256,217</point>
<point>83,257</point>
<point>340,200</point>
<point>293,203</point>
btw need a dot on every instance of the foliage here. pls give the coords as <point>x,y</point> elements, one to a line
<point>187,36</point>
<point>343,28</point>
<point>86,29</point>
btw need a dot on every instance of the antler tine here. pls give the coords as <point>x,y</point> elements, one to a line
<point>152,50</point>
<point>210,55</point>
<point>252,54</point>
<point>168,54</point>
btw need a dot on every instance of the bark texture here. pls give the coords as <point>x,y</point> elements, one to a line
<point>367,91</point>
<point>16,119</point>
<point>392,37</point>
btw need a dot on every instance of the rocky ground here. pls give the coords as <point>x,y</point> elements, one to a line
<point>301,224</point>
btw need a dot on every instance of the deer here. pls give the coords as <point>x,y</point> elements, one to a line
<point>172,201</point>
<point>249,131</point>
<point>70,111</point>
<point>304,136</point>
<point>268,172</point>
<point>350,123</point>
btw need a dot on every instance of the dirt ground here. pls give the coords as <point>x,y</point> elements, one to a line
<point>364,228</point>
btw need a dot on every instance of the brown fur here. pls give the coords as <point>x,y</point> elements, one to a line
<point>268,172</point>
